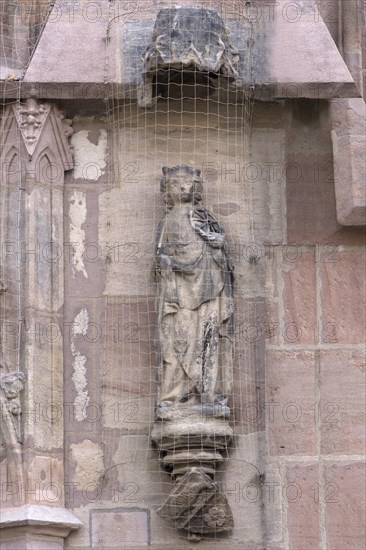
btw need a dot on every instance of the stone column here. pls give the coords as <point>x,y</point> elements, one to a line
<point>35,155</point>
<point>352,39</point>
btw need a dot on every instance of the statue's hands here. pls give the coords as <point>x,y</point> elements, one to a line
<point>165,263</point>
<point>217,240</point>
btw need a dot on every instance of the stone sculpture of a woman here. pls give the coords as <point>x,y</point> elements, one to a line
<point>195,306</point>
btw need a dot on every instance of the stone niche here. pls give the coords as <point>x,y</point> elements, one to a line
<point>213,137</point>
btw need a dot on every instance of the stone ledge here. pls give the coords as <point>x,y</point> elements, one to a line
<point>290,57</point>
<point>58,519</point>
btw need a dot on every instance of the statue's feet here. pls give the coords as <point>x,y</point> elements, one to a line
<point>221,410</point>
<point>217,410</point>
<point>167,410</point>
<point>164,411</point>
<point>194,537</point>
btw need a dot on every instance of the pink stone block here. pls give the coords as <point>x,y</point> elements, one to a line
<point>310,194</point>
<point>299,296</point>
<point>349,156</point>
<point>344,498</point>
<point>348,116</point>
<point>342,401</point>
<point>290,399</point>
<point>343,296</point>
<point>119,528</point>
<point>303,505</point>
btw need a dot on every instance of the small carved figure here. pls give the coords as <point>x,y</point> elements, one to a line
<point>195,305</point>
<point>11,385</point>
<point>31,118</point>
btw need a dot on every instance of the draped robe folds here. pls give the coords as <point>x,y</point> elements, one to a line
<point>195,310</point>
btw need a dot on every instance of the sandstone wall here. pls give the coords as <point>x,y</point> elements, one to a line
<point>282,177</point>
<point>299,294</point>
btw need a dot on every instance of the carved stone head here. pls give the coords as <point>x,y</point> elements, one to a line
<point>181,184</point>
<point>12,384</point>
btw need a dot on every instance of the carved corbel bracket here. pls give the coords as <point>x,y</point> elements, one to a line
<point>198,506</point>
<point>191,449</point>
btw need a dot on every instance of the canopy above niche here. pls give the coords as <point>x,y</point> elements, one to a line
<point>281,54</point>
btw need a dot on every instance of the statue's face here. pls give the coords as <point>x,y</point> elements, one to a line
<point>12,385</point>
<point>181,187</point>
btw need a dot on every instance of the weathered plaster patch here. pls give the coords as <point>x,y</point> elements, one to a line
<point>88,457</point>
<point>89,158</point>
<point>82,399</point>
<point>77,214</point>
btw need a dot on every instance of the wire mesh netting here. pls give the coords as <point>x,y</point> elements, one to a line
<point>203,120</point>
<point>197,117</point>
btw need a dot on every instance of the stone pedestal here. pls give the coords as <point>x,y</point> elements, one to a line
<point>191,445</point>
<point>36,528</point>
<point>192,441</point>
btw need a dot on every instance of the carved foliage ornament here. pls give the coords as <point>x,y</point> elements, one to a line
<point>194,39</point>
<point>191,36</point>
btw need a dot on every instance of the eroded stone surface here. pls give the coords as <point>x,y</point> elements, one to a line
<point>300,492</point>
<point>342,392</point>
<point>120,529</point>
<point>290,416</point>
<point>11,385</point>
<point>195,302</point>
<point>89,466</point>
<point>188,45</point>
<point>345,505</point>
<point>343,295</point>
<point>197,505</point>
